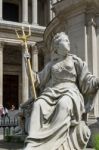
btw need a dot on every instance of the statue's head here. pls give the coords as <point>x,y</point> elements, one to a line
<point>61,44</point>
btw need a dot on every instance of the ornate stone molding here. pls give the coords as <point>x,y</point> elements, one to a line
<point>34,49</point>
<point>11,26</point>
<point>67,4</point>
<point>7,41</point>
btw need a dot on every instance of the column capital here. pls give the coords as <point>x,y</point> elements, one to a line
<point>34,49</point>
<point>92,22</point>
<point>32,45</point>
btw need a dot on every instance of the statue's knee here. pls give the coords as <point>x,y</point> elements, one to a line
<point>66,103</point>
<point>36,103</point>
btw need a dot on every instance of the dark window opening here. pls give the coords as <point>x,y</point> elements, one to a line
<point>10,12</point>
<point>43,13</point>
<point>10,91</point>
<point>41,61</point>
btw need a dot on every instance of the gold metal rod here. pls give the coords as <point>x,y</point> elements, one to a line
<point>24,38</point>
<point>30,74</point>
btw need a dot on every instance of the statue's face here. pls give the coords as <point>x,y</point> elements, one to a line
<point>63,45</point>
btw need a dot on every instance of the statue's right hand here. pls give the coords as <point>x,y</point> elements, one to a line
<point>33,73</point>
<point>36,78</point>
<point>27,55</point>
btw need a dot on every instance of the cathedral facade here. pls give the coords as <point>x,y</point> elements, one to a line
<point>14,85</point>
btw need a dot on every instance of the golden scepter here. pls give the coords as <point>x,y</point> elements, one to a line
<point>24,37</point>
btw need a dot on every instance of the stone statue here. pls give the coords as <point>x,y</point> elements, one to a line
<point>67,92</point>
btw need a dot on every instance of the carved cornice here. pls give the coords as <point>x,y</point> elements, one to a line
<point>34,49</point>
<point>14,25</point>
<point>65,5</point>
<point>68,5</point>
<point>6,41</point>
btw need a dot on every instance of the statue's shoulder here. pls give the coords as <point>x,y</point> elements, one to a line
<point>74,57</point>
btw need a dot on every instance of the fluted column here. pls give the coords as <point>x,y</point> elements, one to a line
<point>34,11</point>
<point>25,11</point>
<point>1,74</point>
<point>25,89</point>
<point>35,58</point>
<point>1,4</point>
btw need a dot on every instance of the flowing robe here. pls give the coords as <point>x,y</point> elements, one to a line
<point>64,86</point>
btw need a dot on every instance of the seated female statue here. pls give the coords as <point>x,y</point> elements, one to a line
<point>67,92</point>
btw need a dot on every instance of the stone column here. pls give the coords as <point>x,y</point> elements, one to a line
<point>52,14</point>
<point>98,53</point>
<point>85,44</point>
<point>1,4</point>
<point>35,58</point>
<point>93,56</point>
<point>25,89</point>
<point>25,11</point>
<point>50,11</point>
<point>34,11</point>
<point>95,60</point>
<point>1,74</point>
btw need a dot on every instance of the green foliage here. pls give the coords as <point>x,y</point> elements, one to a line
<point>96,141</point>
